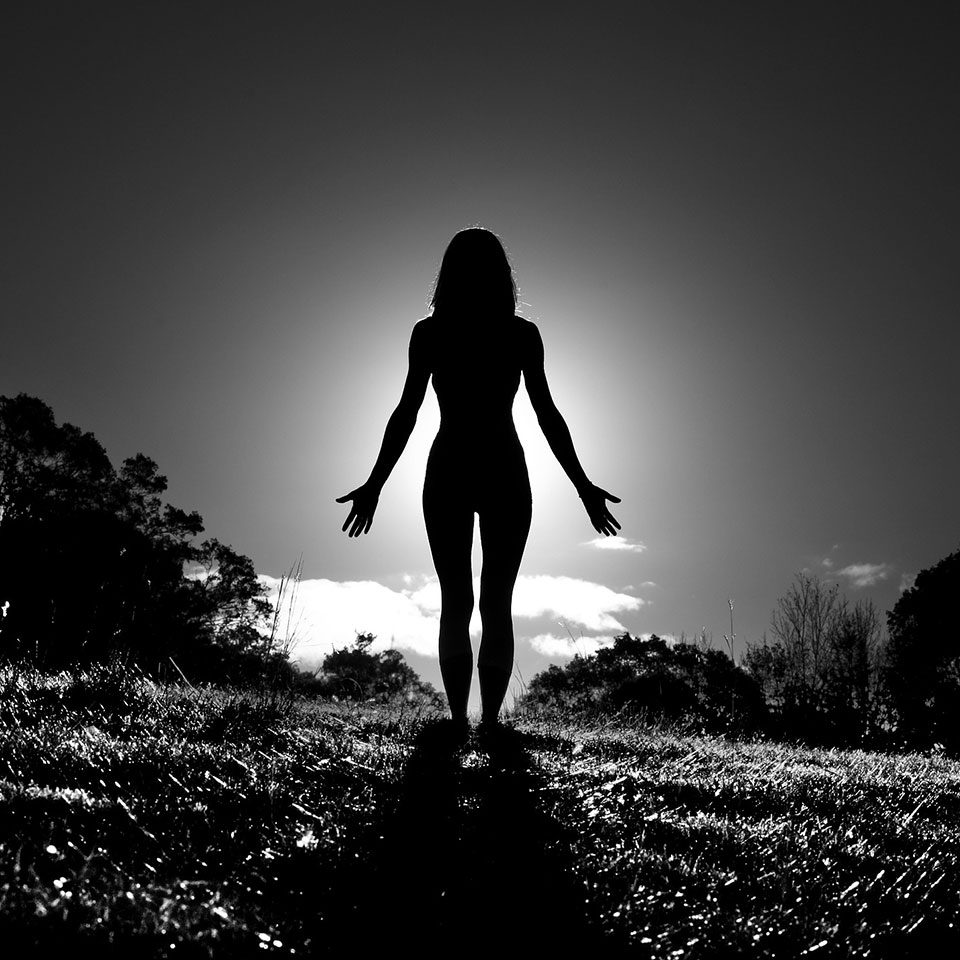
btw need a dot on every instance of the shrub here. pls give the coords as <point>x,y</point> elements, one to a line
<point>679,681</point>
<point>355,673</point>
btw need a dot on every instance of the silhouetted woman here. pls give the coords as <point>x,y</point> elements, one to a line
<point>476,349</point>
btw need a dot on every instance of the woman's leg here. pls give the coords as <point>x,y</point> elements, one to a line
<point>503,533</point>
<point>450,532</point>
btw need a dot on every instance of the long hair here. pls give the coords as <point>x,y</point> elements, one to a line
<point>475,275</point>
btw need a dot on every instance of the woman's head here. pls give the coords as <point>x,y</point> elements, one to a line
<point>475,275</point>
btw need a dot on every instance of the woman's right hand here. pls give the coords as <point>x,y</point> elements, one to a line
<point>595,503</point>
<point>365,500</point>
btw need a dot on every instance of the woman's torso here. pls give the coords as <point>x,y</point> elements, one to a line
<point>476,366</point>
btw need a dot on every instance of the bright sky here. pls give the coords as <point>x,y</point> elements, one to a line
<point>735,227</point>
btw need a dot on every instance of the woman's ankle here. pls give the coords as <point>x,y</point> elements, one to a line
<point>493,688</point>
<point>457,673</point>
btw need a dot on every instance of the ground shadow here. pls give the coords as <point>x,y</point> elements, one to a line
<point>469,857</point>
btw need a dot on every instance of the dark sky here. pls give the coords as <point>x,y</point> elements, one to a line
<point>736,226</point>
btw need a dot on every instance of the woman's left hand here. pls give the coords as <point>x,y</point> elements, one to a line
<point>365,500</point>
<point>595,502</point>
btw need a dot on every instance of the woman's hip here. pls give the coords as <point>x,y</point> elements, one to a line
<point>476,481</point>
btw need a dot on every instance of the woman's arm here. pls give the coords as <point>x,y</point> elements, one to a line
<point>399,427</point>
<point>557,432</point>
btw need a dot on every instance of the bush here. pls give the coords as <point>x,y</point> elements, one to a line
<point>355,673</point>
<point>679,681</point>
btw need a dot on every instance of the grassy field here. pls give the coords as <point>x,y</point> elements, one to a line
<point>168,822</point>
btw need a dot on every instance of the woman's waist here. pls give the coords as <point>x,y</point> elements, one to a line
<point>501,446</point>
<point>488,434</point>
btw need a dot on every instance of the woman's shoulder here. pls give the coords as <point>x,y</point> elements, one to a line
<point>423,330</point>
<point>513,333</point>
<point>531,344</point>
<point>421,350</point>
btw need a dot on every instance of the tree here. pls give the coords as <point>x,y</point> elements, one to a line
<point>851,694</point>
<point>803,624</point>
<point>92,561</point>
<point>46,468</point>
<point>819,674</point>
<point>922,664</point>
<point>232,602</point>
<point>59,539</point>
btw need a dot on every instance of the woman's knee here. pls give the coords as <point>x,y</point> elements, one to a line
<point>456,606</point>
<point>496,653</point>
<point>495,603</point>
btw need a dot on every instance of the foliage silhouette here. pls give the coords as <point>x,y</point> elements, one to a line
<point>679,681</point>
<point>820,673</point>
<point>354,673</point>
<point>922,665</point>
<point>92,562</point>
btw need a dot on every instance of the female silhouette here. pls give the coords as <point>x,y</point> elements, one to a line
<point>475,348</point>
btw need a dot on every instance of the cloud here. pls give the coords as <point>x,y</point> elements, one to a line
<point>827,562</point>
<point>583,602</point>
<point>552,646</point>
<point>624,544</point>
<point>907,580</point>
<point>865,574</point>
<point>329,613</point>
<point>670,639</point>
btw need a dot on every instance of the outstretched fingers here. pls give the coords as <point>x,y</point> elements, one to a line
<point>607,525</point>
<point>362,522</point>
<point>604,522</point>
<point>362,508</point>
<point>611,524</point>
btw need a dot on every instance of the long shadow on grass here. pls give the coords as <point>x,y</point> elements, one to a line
<point>470,859</point>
